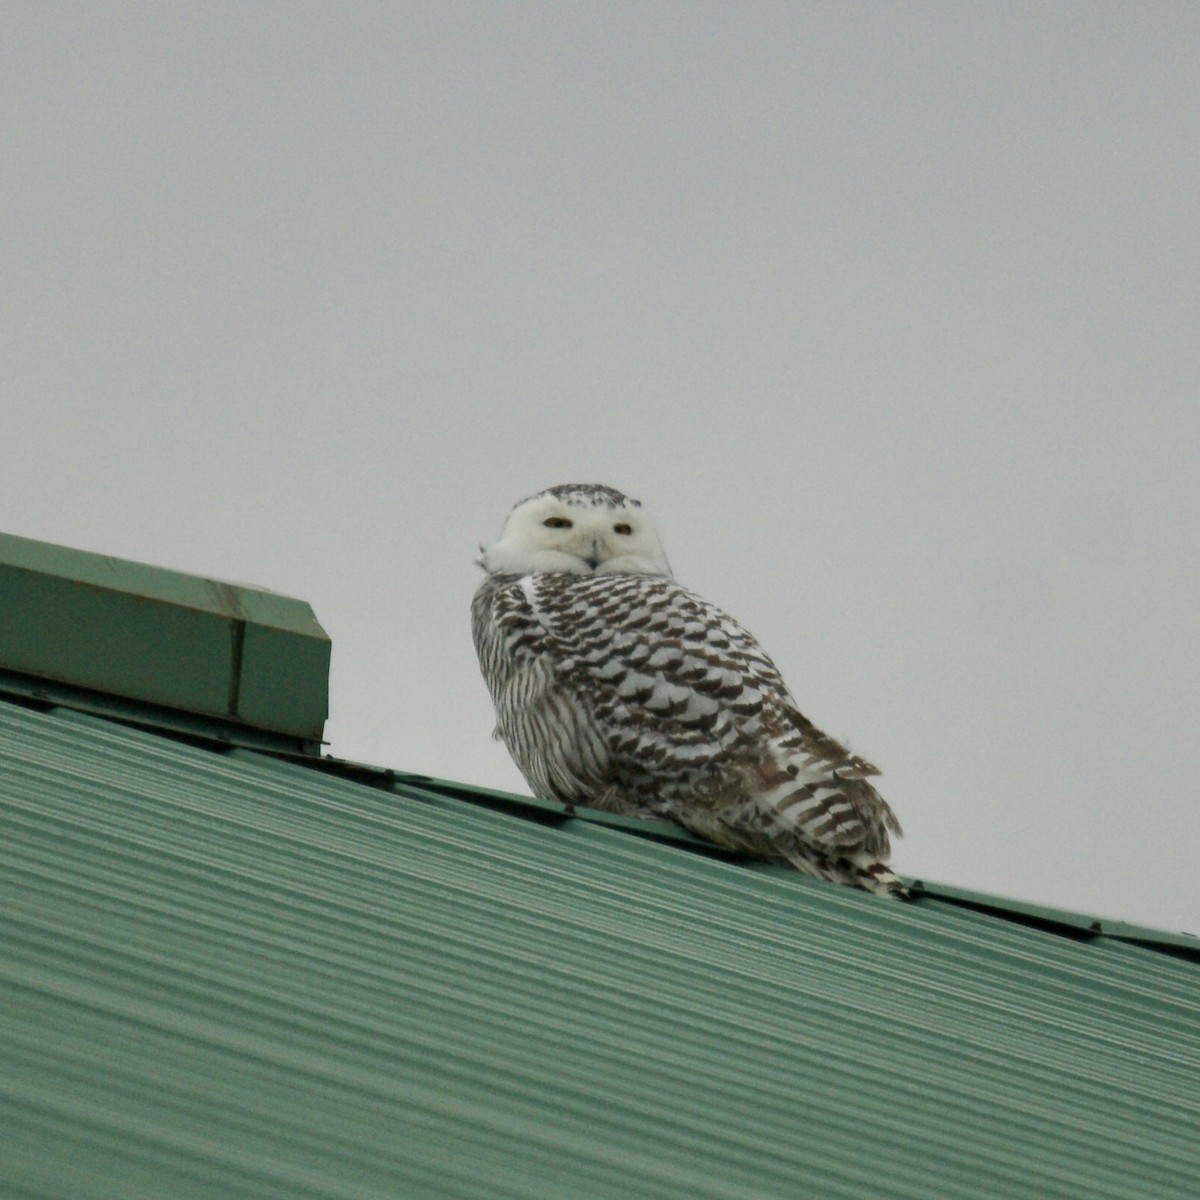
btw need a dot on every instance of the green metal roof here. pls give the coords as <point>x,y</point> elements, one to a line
<point>226,974</point>
<point>78,624</point>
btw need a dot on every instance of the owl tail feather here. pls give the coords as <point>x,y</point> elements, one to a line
<point>880,879</point>
<point>860,871</point>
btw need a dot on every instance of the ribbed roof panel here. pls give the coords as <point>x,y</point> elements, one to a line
<point>224,975</point>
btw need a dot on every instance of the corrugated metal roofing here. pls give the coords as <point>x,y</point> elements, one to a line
<point>226,975</point>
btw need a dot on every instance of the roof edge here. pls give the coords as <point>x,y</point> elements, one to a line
<point>224,736</point>
<point>1063,922</point>
<point>219,733</point>
<point>1060,920</point>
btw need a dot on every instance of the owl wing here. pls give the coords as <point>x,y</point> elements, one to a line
<point>657,667</point>
<point>541,716</point>
<point>631,693</point>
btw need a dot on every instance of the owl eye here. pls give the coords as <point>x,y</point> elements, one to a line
<point>557,523</point>
<point>623,528</point>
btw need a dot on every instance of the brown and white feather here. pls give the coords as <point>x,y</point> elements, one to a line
<point>622,690</point>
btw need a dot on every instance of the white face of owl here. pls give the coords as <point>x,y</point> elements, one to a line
<point>586,529</point>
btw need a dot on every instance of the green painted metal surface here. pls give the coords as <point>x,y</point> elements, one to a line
<point>162,638</point>
<point>227,975</point>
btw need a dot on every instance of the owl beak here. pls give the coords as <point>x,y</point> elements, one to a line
<point>593,559</point>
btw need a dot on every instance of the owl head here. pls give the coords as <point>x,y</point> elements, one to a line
<point>582,528</point>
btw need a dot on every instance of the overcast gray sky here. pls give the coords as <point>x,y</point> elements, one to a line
<point>890,313</point>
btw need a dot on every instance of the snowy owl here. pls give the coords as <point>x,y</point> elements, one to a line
<point>618,689</point>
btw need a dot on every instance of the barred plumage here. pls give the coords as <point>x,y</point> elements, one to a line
<point>618,689</point>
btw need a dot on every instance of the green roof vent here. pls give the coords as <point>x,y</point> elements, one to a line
<point>160,647</point>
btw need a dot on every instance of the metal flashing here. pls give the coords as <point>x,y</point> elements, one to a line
<point>85,626</point>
